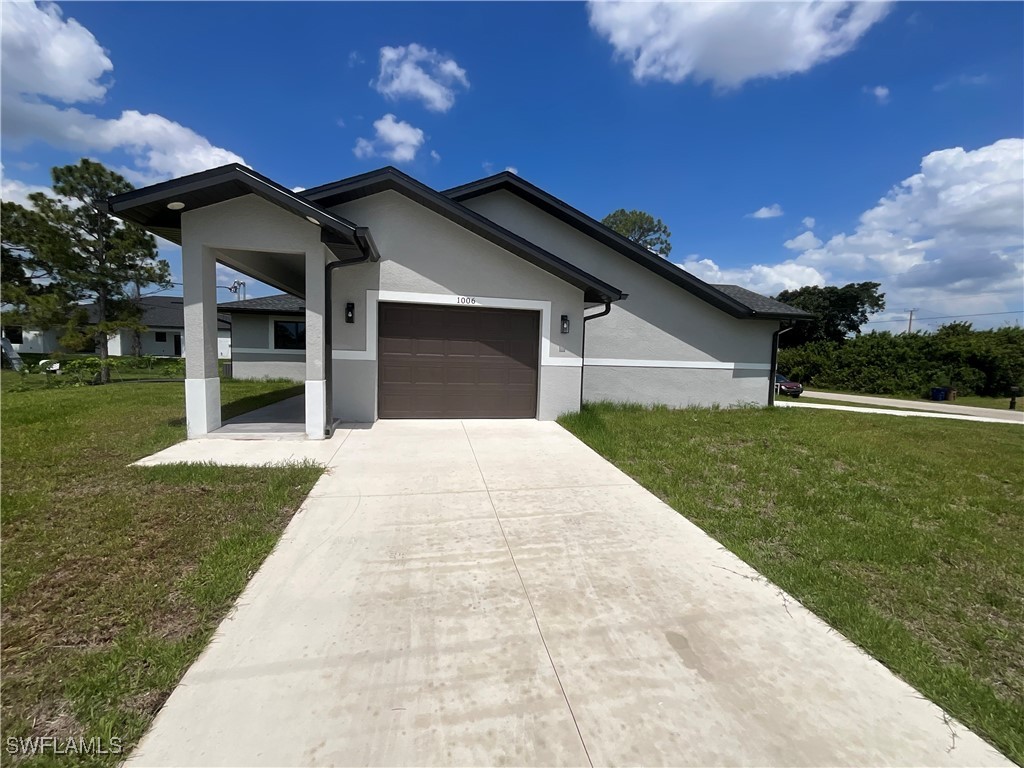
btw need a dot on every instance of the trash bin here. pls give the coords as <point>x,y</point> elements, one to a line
<point>938,393</point>
<point>950,393</point>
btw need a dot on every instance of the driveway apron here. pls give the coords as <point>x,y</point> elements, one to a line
<point>496,593</point>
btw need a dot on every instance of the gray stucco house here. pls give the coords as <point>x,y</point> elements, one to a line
<point>493,299</point>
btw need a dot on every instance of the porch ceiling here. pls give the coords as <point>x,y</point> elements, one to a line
<point>284,271</point>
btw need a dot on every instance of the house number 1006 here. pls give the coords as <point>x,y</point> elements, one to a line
<point>465,300</point>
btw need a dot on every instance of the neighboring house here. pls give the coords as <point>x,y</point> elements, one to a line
<point>162,315</point>
<point>267,337</point>
<point>494,299</point>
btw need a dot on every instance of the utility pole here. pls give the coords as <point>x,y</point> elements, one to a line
<point>910,322</point>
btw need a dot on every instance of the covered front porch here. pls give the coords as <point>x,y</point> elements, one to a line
<point>238,218</point>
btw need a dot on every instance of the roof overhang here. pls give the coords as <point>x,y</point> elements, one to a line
<point>550,204</point>
<point>148,207</point>
<point>391,179</point>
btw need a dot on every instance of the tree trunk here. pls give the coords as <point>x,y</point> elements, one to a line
<point>101,338</point>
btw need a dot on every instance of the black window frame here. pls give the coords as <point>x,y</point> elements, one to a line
<point>297,336</point>
<point>15,334</point>
<point>160,337</point>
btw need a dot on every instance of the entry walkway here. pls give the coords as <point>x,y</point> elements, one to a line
<point>495,593</point>
<point>949,408</point>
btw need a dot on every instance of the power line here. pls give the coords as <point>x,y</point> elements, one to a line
<point>947,317</point>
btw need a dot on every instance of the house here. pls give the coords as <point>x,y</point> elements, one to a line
<point>162,315</point>
<point>267,337</point>
<point>493,299</point>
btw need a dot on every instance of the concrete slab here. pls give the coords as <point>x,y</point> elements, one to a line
<point>509,620</point>
<point>947,407</point>
<point>891,412</point>
<point>257,451</point>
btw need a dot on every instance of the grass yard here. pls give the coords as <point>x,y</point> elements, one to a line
<point>114,577</point>
<point>911,405</point>
<point>905,535</point>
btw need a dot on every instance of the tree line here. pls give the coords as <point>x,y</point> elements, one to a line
<point>65,252</point>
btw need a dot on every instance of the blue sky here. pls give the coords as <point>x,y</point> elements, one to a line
<point>810,111</point>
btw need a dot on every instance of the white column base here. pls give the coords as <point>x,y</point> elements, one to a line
<point>316,409</point>
<point>202,406</point>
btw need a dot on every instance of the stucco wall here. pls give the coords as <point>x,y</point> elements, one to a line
<point>426,258</point>
<point>38,342</point>
<point>658,322</point>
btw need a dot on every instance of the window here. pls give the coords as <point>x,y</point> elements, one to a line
<point>14,334</point>
<point>161,336</point>
<point>289,334</point>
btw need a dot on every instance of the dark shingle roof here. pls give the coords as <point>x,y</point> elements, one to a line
<point>163,312</point>
<point>279,304</point>
<point>762,305</point>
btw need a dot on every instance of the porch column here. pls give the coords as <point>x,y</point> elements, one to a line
<point>317,356</point>
<point>202,382</point>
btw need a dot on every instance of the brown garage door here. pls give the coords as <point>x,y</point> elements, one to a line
<point>456,362</point>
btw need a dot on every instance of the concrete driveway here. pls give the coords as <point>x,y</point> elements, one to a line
<point>495,593</point>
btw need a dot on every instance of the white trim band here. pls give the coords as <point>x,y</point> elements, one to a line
<point>713,365</point>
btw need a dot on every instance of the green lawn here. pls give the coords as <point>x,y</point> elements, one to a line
<point>114,576</point>
<point>905,535</point>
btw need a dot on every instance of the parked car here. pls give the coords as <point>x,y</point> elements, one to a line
<point>787,387</point>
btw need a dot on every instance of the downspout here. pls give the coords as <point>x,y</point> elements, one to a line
<point>367,252</point>
<point>583,345</point>
<point>775,362</point>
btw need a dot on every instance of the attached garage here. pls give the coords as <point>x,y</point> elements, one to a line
<point>437,361</point>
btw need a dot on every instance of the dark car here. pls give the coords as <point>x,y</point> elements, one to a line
<point>787,387</point>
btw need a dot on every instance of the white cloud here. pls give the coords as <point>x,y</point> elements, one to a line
<point>949,239</point>
<point>14,191</point>
<point>46,59</point>
<point>880,92</point>
<point>355,59</point>
<point>298,189</point>
<point>766,279</point>
<point>809,222</point>
<point>512,169</point>
<point>803,242</point>
<point>394,139</point>
<point>962,80</point>
<point>435,155</point>
<point>730,43</point>
<point>416,72</point>
<point>767,212</point>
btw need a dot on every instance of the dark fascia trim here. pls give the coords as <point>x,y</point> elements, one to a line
<point>563,211</point>
<point>392,179</point>
<point>336,230</point>
<point>260,311</point>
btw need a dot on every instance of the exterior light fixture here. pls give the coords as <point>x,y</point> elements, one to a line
<point>565,323</point>
<point>176,205</point>
<point>311,220</point>
<point>350,312</point>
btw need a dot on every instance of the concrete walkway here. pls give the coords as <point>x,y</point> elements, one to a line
<point>495,593</point>
<point>893,412</point>
<point>925,405</point>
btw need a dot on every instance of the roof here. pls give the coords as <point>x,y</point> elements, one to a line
<point>726,301</point>
<point>148,207</point>
<point>762,305</point>
<point>392,179</point>
<point>162,312</point>
<point>279,304</point>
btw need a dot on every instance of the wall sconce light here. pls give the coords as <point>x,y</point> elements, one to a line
<point>350,313</point>
<point>565,323</point>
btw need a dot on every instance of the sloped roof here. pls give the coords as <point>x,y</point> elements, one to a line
<point>162,312</point>
<point>392,179</point>
<point>762,305</point>
<point>279,304</point>
<point>561,210</point>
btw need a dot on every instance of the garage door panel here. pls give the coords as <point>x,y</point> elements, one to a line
<point>457,362</point>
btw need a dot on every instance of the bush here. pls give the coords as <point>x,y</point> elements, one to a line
<point>974,362</point>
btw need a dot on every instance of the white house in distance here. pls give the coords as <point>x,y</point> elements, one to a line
<point>494,299</point>
<point>164,317</point>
